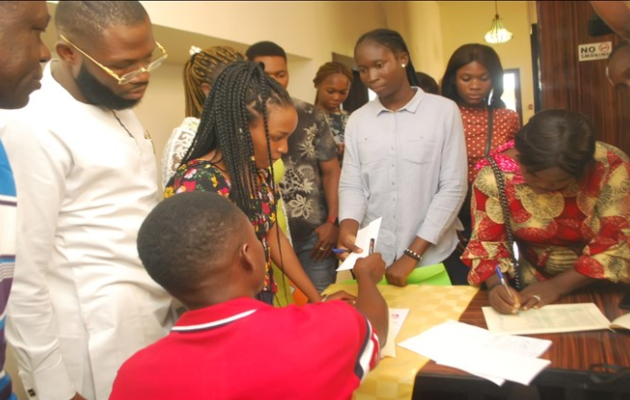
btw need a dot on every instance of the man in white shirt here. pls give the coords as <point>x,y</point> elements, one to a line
<point>86,176</point>
<point>21,25</point>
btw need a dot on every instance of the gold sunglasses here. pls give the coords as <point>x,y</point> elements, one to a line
<point>128,77</point>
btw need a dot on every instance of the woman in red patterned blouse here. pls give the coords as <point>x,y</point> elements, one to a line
<point>569,205</point>
<point>474,80</point>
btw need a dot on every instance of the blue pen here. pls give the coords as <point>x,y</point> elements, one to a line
<point>340,251</point>
<point>504,282</point>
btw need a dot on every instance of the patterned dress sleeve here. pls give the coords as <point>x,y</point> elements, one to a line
<point>487,246</point>
<point>607,255</point>
<point>325,146</point>
<point>198,176</point>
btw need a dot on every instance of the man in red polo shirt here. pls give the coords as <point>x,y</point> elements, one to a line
<point>203,250</point>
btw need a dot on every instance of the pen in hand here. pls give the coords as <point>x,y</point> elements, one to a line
<point>341,251</point>
<point>504,282</point>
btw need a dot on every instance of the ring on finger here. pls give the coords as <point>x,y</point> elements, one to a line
<point>537,297</point>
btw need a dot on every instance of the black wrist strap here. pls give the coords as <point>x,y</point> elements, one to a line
<point>489,136</point>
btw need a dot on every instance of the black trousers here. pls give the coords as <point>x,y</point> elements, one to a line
<point>456,269</point>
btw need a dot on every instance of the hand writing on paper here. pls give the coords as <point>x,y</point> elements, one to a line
<point>502,301</point>
<point>399,271</point>
<point>539,294</point>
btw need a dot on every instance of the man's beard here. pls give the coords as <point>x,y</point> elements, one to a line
<point>98,94</point>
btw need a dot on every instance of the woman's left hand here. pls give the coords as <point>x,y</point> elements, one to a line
<point>397,273</point>
<point>539,294</point>
<point>327,235</point>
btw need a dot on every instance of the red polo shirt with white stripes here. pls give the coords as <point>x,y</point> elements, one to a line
<point>244,349</point>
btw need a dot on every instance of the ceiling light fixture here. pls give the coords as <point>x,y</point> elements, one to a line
<point>497,32</point>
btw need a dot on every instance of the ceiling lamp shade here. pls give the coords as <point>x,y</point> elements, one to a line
<point>497,32</point>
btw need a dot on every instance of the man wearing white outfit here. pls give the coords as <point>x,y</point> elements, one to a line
<point>86,177</point>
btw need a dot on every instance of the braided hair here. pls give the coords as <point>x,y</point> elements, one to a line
<point>204,67</point>
<point>393,41</point>
<point>240,96</point>
<point>330,68</point>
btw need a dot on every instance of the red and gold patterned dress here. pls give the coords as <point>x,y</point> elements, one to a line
<point>585,226</point>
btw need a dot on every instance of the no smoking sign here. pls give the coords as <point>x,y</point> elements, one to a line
<point>594,51</point>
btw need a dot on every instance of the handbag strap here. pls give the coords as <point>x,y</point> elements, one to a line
<point>506,220</point>
<point>489,136</point>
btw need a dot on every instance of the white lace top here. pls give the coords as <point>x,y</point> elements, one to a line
<point>177,146</point>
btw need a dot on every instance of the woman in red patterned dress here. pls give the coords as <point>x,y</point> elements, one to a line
<point>474,80</point>
<point>568,198</point>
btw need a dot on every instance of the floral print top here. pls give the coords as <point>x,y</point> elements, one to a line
<point>585,226</point>
<point>202,175</point>
<point>337,121</point>
<point>302,186</point>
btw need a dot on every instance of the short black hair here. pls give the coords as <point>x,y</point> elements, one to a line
<point>265,49</point>
<point>484,55</point>
<point>557,138</point>
<point>90,18</point>
<point>182,235</point>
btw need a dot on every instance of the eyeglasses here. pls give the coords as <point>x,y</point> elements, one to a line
<point>128,77</point>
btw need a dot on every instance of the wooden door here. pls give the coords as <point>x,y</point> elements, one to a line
<point>579,86</point>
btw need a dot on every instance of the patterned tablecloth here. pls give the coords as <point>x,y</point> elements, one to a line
<point>393,378</point>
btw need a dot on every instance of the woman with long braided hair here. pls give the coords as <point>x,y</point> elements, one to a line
<point>244,128</point>
<point>200,71</point>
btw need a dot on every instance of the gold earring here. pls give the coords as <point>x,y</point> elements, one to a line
<point>403,65</point>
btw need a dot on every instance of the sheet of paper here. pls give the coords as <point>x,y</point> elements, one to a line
<point>397,318</point>
<point>480,352</point>
<point>499,364</point>
<point>548,319</point>
<point>363,241</point>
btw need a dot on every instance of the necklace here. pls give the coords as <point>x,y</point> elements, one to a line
<point>147,136</point>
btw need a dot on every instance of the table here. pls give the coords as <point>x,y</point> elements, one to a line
<point>394,378</point>
<point>571,355</point>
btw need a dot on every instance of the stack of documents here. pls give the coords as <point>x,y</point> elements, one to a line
<point>479,352</point>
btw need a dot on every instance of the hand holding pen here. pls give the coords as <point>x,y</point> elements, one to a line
<point>503,299</point>
<point>355,249</point>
